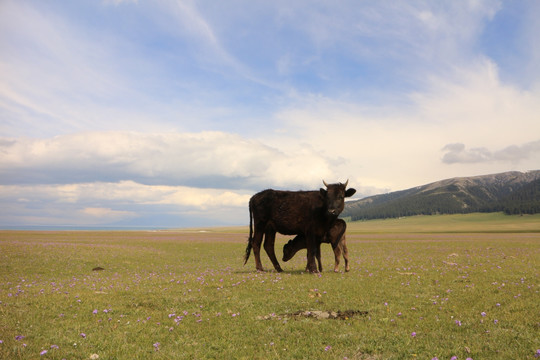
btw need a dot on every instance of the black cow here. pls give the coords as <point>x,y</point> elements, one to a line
<point>335,236</point>
<point>309,213</point>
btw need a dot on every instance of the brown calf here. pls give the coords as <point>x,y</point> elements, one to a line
<point>335,236</point>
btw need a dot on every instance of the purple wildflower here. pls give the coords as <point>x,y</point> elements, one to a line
<point>95,312</point>
<point>413,334</point>
<point>43,352</point>
<point>327,348</point>
<point>453,358</point>
<point>483,313</point>
<point>1,341</point>
<point>54,346</point>
<point>156,346</point>
<point>19,337</point>
<point>537,354</point>
<point>458,323</point>
<point>83,335</point>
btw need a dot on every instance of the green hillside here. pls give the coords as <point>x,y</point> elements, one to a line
<point>511,192</point>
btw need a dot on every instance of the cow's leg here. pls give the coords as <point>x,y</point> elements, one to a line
<point>269,242</point>
<point>312,243</point>
<point>257,240</point>
<point>319,257</point>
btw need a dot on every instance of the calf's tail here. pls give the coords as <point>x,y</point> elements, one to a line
<point>250,240</point>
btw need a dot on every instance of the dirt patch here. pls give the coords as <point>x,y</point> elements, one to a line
<point>316,314</point>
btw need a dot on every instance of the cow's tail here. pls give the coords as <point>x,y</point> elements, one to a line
<point>250,240</point>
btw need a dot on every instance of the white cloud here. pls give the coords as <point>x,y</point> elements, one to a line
<point>110,203</point>
<point>475,107</point>
<point>456,153</point>
<point>396,147</point>
<point>207,159</point>
<point>418,35</point>
<point>111,177</point>
<point>58,76</point>
<point>107,213</point>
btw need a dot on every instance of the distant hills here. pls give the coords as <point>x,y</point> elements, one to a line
<point>511,192</point>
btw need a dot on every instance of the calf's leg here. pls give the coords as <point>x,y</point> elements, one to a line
<point>345,253</point>
<point>337,255</point>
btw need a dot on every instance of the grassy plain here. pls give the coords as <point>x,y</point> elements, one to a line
<point>438,286</point>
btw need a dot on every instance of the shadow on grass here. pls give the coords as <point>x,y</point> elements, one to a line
<point>291,272</point>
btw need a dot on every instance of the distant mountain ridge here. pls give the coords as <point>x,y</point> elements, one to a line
<point>513,192</point>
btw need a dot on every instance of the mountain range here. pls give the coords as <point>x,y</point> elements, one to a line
<point>511,192</point>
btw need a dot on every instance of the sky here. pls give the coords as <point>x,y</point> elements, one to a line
<point>173,113</point>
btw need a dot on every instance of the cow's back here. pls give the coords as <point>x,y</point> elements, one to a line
<point>288,212</point>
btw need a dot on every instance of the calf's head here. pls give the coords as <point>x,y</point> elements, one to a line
<point>334,197</point>
<point>292,247</point>
<point>289,250</point>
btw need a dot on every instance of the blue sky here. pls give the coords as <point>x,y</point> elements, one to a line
<point>173,113</point>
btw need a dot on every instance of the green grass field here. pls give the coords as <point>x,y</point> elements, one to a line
<point>464,286</point>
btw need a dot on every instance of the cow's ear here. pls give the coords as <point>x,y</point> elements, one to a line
<point>350,192</point>
<point>323,192</point>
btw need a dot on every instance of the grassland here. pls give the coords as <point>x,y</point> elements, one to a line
<point>441,286</point>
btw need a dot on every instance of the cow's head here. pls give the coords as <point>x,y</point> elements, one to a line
<point>334,197</point>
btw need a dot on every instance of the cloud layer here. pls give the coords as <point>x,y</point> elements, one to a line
<point>117,177</point>
<point>199,160</point>
<point>457,153</point>
<point>173,113</point>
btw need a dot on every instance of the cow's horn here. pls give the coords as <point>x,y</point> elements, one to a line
<point>325,184</point>
<point>346,182</point>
